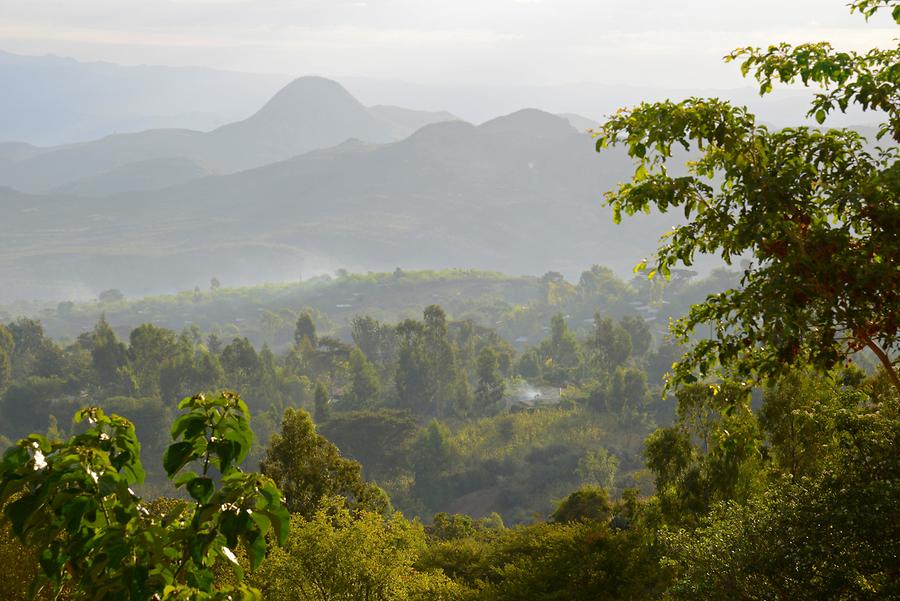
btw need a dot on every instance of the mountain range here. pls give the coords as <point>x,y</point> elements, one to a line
<point>307,114</point>
<point>311,182</point>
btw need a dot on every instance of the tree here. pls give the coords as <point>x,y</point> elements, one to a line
<point>71,502</point>
<point>669,453</point>
<point>611,342</point>
<point>792,419</point>
<point>30,352</point>
<point>589,503</point>
<point>5,370</point>
<point>338,554</point>
<point>321,403</point>
<point>598,467</point>
<point>414,388</point>
<point>305,330</point>
<point>110,357</point>
<point>816,211</point>
<point>379,440</point>
<point>433,454</point>
<point>148,349</point>
<point>640,334</point>
<point>376,340</point>
<point>441,361</point>
<point>428,377</point>
<point>241,364</point>
<point>364,384</point>
<point>628,389</point>
<point>7,341</point>
<point>562,352</point>
<point>490,389</point>
<point>309,469</point>
<point>832,535</point>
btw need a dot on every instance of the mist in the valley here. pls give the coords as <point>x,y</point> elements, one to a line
<point>156,179</point>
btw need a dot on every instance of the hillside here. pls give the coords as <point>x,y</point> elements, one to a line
<point>308,113</point>
<point>518,194</point>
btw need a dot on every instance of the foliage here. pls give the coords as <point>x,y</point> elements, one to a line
<point>868,80</point>
<point>490,390</point>
<point>339,554</point>
<point>379,440</point>
<point>71,501</point>
<point>20,568</point>
<point>589,503</point>
<point>308,469</point>
<point>830,535</point>
<point>817,212</point>
<point>584,560</point>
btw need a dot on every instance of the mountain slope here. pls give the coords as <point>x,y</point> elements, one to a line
<point>520,194</point>
<point>308,113</point>
<point>140,175</point>
<point>402,122</point>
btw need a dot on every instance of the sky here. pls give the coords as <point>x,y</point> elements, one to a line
<point>668,43</point>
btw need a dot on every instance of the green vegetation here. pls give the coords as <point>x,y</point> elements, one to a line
<point>560,467</point>
<point>71,503</point>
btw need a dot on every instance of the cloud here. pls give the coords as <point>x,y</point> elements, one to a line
<point>526,41</point>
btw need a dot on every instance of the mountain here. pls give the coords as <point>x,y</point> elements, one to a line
<point>141,175</point>
<point>519,194</point>
<point>580,123</point>
<point>308,113</point>
<point>401,122</point>
<point>50,100</point>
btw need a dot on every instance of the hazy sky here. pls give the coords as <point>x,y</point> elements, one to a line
<point>673,43</point>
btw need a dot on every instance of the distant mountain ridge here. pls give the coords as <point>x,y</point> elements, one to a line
<point>518,194</point>
<point>307,114</point>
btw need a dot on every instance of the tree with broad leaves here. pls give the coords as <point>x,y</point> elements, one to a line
<point>71,502</point>
<point>817,211</point>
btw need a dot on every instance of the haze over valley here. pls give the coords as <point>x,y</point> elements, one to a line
<point>311,182</point>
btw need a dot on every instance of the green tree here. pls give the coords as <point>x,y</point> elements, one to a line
<point>241,364</point>
<point>562,352</point>
<point>376,340</point>
<point>611,343</point>
<point>669,453</point>
<point>589,503</point>
<point>640,335</point>
<point>441,361</point>
<point>490,388</point>
<point>379,440</point>
<point>5,370</point>
<point>309,469</point>
<point>321,402</point>
<point>598,467</point>
<point>816,211</point>
<point>791,418</point>
<point>305,329</point>
<point>110,357</point>
<point>71,503</point>
<point>148,349</point>
<point>338,554</point>
<point>433,456</point>
<point>628,390</point>
<point>414,387</point>
<point>364,387</point>
<point>831,535</point>
<point>7,341</point>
